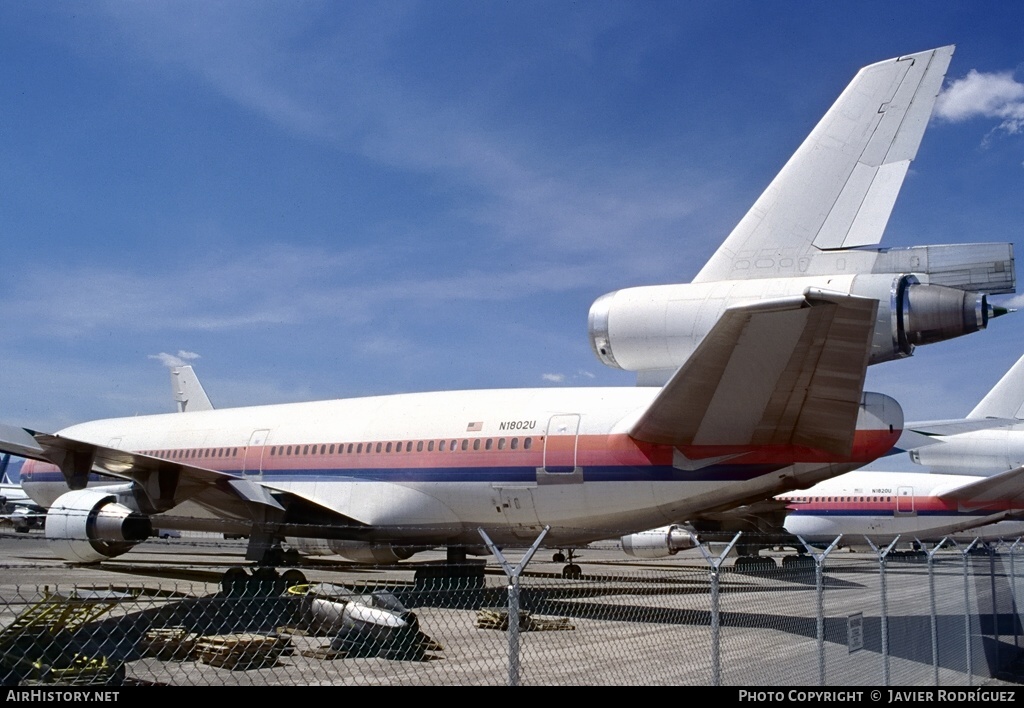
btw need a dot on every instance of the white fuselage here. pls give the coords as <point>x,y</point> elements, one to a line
<point>883,505</point>
<point>436,467</point>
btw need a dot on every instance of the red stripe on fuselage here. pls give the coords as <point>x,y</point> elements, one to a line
<point>591,450</point>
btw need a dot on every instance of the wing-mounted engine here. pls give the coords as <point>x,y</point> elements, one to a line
<point>660,542</point>
<point>87,526</point>
<point>656,328</point>
<point>358,551</point>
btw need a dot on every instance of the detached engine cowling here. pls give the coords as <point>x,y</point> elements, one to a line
<point>358,551</point>
<point>87,526</point>
<point>659,543</point>
<point>658,327</point>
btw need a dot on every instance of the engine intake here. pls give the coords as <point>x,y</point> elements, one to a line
<point>660,542</point>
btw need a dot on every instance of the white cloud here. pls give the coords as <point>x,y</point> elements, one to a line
<point>996,95</point>
<point>1013,303</point>
<point>554,378</point>
<point>171,360</point>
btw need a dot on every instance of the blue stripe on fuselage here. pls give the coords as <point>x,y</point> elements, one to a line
<point>616,473</point>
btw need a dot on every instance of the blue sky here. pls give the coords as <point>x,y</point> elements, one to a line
<point>327,199</point>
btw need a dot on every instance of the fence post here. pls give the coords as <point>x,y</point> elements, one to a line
<point>934,613</point>
<point>965,552</point>
<point>513,598</point>
<point>819,586</point>
<point>716,670</point>
<point>885,608</point>
<point>1013,594</point>
<point>995,601</point>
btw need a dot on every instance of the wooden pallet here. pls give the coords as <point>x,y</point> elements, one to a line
<point>242,651</point>
<point>495,618</point>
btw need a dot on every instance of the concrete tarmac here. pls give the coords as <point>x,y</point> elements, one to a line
<point>624,622</point>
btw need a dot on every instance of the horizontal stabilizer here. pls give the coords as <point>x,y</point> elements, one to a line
<point>1002,490</point>
<point>788,372</point>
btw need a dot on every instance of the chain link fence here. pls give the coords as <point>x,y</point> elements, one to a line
<point>947,617</point>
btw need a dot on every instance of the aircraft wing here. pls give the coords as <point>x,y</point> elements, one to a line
<point>839,188</point>
<point>778,372</point>
<point>162,484</point>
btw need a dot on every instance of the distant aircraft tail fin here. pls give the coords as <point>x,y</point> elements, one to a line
<point>188,392</point>
<point>1006,399</point>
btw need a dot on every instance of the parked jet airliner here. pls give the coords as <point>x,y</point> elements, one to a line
<point>754,378</point>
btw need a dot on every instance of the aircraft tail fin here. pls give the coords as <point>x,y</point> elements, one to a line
<point>188,392</point>
<point>839,188</point>
<point>1006,399</point>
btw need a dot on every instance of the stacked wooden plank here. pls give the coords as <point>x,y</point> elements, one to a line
<point>170,643</point>
<point>497,618</point>
<point>242,651</point>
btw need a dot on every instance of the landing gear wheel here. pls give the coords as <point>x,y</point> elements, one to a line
<point>292,577</point>
<point>558,558</point>
<point>266,582</point>
<point>797,561</point>
<point>755,563</point>
<point>572,571</point>
<point>234,581</point>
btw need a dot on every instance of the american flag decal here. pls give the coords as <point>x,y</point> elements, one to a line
<point>475,427</point>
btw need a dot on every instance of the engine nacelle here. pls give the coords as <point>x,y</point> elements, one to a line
<point>659,543</point>
<point>657,328</point>
<point>358,551</point>
<point>87,526</point>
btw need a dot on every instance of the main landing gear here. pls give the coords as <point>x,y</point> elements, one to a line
<point>755,563</point>
<point>261,582</point>
<point>571,570</point>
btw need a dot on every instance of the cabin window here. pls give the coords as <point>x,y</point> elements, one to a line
<point>419,446</point>
<point>476,444</point>
<point>501,443</point>
<point>489,444</point>
<point>379,447</point>
<point>430,446</point>
<point>527,443</point>
<point>465,444</point>
<point>514,444</point>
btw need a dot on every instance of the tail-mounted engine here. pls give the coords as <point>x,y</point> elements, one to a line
<point>87,526</point>
<point>656,328</point>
